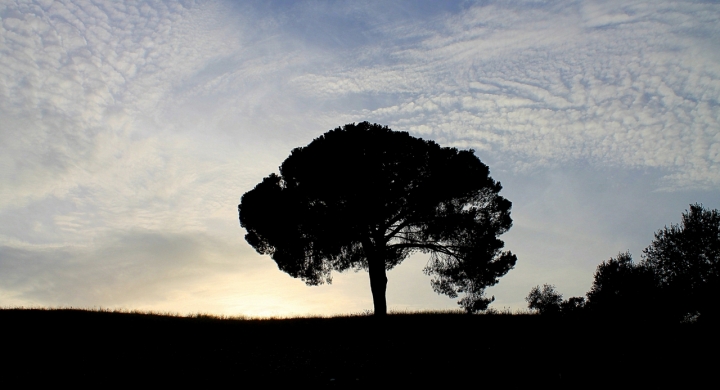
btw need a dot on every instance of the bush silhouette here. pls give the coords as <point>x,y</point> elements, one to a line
<point>365,197</point>
<point>678,278</point>
<point>574,305</point>
<point>685,260</point>
<point>545,300</point>
<point>621,287</point>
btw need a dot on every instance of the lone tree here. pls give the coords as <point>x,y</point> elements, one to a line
<point>365,197</point>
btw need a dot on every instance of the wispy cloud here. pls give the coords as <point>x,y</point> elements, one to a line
<point>84,88</point>
<point>626,84</point>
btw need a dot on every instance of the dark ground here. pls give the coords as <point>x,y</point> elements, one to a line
<point>90,348</point>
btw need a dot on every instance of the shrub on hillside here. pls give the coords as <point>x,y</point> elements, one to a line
<point>545,300</point>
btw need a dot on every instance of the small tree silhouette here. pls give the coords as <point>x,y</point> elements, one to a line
<point>545,300</point>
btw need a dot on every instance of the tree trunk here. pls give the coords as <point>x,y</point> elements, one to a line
<point>378,286</point>
<point>378,278</point>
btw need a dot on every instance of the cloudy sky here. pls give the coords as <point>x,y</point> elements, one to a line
<point>130,130</point>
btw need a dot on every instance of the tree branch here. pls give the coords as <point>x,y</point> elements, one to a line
<point>431,246</point>
<point>395,231</point>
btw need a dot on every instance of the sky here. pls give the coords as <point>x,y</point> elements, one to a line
<point>130,130</point>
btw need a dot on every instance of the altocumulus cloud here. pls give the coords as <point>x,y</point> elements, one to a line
<point>81,82</point>
<point>96,185</point>
<point>630,84</point>
<point>130,129</point>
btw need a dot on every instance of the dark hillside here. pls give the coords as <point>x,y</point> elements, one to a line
<point>92,348</point>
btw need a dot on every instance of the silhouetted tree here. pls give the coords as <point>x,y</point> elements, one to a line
<point>572,305</point>
<point>365,197</point>
<point>621,287</point>
<point>685,259</point>
<point>545,300</point>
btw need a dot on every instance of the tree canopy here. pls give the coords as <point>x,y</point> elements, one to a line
<point>678,278</point>
<point>685,259</point>
<point>546,300</point>
<point>622,287</point>
<point>363,196</point>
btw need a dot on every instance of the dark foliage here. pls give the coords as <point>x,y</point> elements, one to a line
<point>685,259</point>
<point>621,287</point>
<point>365,197</point>
<point>545,300</point>
<point>548,301</point>
<point>677,280</point>
<point>573,306</point>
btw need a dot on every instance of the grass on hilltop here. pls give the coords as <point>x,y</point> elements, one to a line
<point>419,348</point>
<point>365,313</point>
